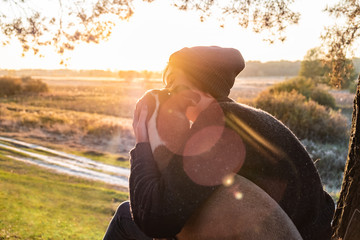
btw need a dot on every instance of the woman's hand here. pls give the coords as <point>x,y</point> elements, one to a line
<point>139,122</point>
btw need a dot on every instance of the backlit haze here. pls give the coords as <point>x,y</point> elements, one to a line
<point>156,30</point>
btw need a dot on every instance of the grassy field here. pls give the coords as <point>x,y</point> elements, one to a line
<point>37,204</point>
<point>91,119</point>
<point>85,118</point>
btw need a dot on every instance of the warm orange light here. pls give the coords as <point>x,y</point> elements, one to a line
<point>158,29</point>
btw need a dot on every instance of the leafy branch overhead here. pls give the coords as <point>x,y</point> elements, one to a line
<point>64,23</point>
<point>269,16</point>
<point>340,38</point>
<point>61,23</point>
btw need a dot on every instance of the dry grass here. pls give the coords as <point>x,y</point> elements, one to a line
<point>90,115</point>
<point>110,98</point>
<point>80,127</point>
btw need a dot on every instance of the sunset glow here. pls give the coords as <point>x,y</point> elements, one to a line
<point>156,30</point>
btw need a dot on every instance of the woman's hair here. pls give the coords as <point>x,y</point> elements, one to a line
<point>164,74</point>
<point>197,84</point>
<point>213,68</point>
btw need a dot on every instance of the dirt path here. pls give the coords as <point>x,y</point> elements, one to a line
<point>65,163</point>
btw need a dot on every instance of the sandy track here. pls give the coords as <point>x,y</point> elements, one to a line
<point>65,163</point>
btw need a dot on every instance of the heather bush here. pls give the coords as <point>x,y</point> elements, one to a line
<point>302,85</point>
<point>10,86</point>
<point>34,86</point>
<point>307,88</point>
<point>322,97</point>
<point>330,161</point>
<point>306,118</point>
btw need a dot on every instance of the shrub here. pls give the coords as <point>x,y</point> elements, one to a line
<point>306,87</point>
<point>307,119</point>
<point>322,97</point>
<point>330,161</point>
<point>317,67</point>
<point>34,86</point>
<point>9,86</point>
<point>302,85</point>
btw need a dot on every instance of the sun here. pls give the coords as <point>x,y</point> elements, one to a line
<point>157,29</point>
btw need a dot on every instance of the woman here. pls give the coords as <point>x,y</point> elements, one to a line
<point>225,137</point>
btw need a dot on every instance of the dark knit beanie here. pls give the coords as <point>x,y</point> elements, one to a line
<point>213,68</point>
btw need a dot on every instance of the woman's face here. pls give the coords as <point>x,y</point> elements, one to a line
<point>178,83</point>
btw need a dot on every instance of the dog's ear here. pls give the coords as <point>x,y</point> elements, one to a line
<point>195,97</point>
<point>149,100</point>
<point>192,97</point>
<point>184,99</point>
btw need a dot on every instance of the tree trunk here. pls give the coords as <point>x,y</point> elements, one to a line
<point>348,206</point>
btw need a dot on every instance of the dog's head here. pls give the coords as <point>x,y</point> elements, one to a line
<point>167,124</point>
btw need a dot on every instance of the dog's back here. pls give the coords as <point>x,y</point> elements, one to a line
<point>241,210</point>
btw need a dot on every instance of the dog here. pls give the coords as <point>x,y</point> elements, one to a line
<point>167,123</point>
<point>239,210</point>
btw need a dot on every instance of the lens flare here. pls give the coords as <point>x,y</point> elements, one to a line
<point>238,195</point>
<point>253,137</point>
<point>215,161</point>
<point>228,180</point>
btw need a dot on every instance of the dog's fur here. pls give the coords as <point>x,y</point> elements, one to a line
<point>239,211</point>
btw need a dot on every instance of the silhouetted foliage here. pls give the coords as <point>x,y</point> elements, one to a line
<point>267,16</point>
<point>35,25</point>
<point>339,38</point>
<point>319,68</point>
<point>92,21</point>
<point>313,66</point>
<point>73,21</point>
<point>84,21</point>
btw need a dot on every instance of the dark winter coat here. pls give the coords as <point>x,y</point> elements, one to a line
<point>275,160</point>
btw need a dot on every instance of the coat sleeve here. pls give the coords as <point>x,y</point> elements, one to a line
<point>162,202</point>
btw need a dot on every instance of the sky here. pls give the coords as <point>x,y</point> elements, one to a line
<point>156,30</point>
